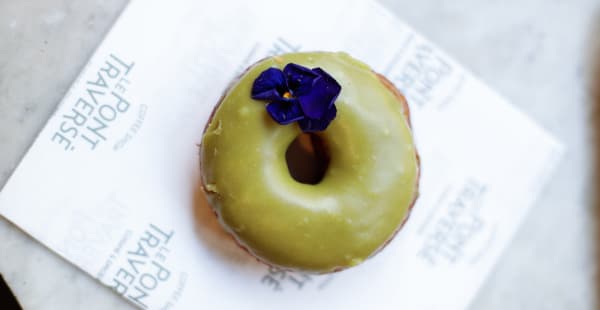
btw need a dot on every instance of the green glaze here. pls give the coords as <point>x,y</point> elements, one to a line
<point>365,193</point>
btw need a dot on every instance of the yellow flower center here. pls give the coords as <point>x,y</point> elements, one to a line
<point>287,95</point>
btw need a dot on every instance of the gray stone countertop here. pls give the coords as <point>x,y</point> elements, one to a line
<point>540,54</point>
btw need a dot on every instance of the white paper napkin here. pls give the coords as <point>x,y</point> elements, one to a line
<point>112,182</point>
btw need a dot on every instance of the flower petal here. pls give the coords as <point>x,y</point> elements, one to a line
<point>300,79</point>
<point>285,111</point>
<point>322,95</point>
<point>333,87</point>
<point>309,124</point>
<point>269,85</point>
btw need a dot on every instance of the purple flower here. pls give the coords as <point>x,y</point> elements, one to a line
<point>298,94</point>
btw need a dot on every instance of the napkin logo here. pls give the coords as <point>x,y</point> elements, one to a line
<point>421,74</point>
<point>277,47</point>
<point>282,46</point>
<point>280,280</point>
<point>88,118</point>
<point>458,224</point>
<point>277,278</point>
<point>145,266</point>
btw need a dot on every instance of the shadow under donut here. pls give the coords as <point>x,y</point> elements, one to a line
<point>213,236</point>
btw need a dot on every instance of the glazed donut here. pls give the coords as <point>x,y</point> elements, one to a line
<point>364,196</point>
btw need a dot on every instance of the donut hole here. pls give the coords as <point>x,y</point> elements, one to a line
<point>307,158</point>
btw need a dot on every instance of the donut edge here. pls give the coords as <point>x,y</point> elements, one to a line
<point>406,111</point>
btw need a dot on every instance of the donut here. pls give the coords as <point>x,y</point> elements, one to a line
<point>369,185</point>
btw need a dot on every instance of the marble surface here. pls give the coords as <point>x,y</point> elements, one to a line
<point>537,53</point>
